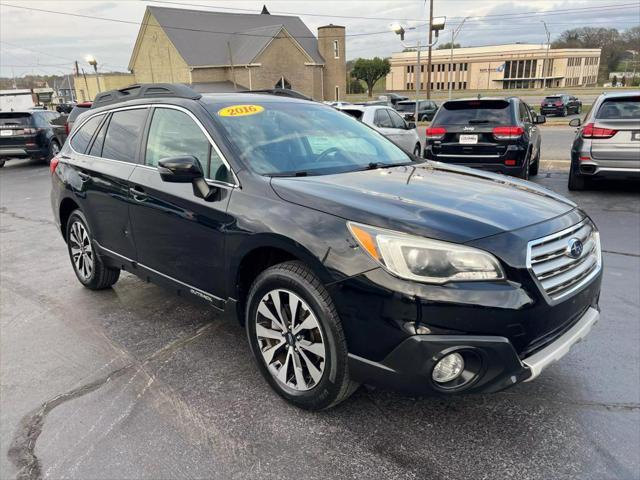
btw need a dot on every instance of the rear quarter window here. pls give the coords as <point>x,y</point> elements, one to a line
<point>82,136</point>
<point>620,109</point>
<point>475,112</point>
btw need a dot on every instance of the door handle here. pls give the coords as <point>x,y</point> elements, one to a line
<point>138,193</point>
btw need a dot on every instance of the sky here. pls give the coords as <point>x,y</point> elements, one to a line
<point>37,42</point>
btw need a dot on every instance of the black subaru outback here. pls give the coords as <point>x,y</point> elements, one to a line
<point>347,260</point>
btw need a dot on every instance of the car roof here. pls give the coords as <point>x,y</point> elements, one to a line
<point>632,93</point>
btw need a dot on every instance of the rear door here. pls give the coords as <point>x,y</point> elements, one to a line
<point>178,234</point>
<point>103,165</point>
<point>618,142</point>
<point>469,128</point>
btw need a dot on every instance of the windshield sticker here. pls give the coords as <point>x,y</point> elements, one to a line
<point>240,110</point>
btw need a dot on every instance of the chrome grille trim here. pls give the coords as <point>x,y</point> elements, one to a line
<point>558,275</point>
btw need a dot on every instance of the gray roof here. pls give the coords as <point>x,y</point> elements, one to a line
<point>202,37</point>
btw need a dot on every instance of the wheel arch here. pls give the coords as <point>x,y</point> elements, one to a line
<point>67,206</point>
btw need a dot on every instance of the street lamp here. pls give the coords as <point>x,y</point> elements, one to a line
<point>454,34</point>
<point>91,60</point>
<point>545,65</point>
<point>436,25</point>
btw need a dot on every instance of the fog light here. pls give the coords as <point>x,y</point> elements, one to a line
<point>448,368</point>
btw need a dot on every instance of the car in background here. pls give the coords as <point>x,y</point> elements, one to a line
<point>496,134</point>
<point>65,107</point>
<point>389,123</point>
<point>607,144</point>
<point>36,134</point>
<point>560,105</point>
<point>392,98</point>
<point>337,104</point>
<point>77,110</point>
<point>426,110</point>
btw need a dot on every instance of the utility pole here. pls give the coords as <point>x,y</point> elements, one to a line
<point>429,51</point>
<point>545,65</point>
<point>417,78</point>
<point>454,34</point>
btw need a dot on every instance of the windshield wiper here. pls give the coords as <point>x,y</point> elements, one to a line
<point>300,173</point>
<point>478,121</point>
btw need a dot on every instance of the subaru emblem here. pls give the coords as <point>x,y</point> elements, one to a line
<point>575,248</point>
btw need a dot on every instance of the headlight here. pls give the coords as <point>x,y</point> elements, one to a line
<point>423,259</point>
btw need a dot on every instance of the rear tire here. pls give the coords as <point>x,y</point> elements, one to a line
<point>417,151</point>
<point>54,149</point>
<point>87,265</point>
<point>577,182</point>
<point>306,366</point>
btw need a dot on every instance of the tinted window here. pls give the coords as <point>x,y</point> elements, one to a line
<point>382,119</point>
<point>524,113</point>
<point>396,120</point>
<point>173,133</point>
<point>474,112</point>
<point>125,128</point>
<point>620,108</point>
<point>10,119</point>
<point>406,106</point>
<point>77,110</point>
<point>96,148</point>
<point>82,137</point>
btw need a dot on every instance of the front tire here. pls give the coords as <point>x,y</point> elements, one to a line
<point>296,337</point>
<point>87,265</point>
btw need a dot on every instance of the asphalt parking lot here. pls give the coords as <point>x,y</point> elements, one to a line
<point>133,382</point>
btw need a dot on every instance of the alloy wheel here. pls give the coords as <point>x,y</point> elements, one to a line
<point>81,250</point>
<point>290,340</point>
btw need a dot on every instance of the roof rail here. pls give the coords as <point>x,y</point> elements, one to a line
<point>145,90</point>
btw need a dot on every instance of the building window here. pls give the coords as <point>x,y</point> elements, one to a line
<point>336,49</point>
<point>283,83</point>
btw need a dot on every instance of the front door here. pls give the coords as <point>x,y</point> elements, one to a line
<point>177,234</point>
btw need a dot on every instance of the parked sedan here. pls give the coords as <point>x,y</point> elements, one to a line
<point>37,134</point>
<point>389,123</point>
<point>560,105</point>
<point>607,144</point>
<point>426,109</point>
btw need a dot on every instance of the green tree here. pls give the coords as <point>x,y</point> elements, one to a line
<point>447,46</point>
<point>370,71</point>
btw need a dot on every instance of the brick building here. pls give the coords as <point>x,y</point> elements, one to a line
<point>214,52</point>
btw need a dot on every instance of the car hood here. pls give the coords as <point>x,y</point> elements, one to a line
<point>430,199</point>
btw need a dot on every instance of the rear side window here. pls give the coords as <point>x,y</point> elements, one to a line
<point>10,119</point>
<point>620,109</point>
<point>474,112</point>
<point>82,137</point>
<point>123,133</point>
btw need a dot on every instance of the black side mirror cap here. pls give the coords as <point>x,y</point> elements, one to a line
<point>575,122</point>
<point>184,169</point>
<point>539,119</point>
<point>411,125</point>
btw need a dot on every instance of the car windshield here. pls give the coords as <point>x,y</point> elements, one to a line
<point>406,107</point>
<point>474,112</point>
<point>620,109</point>
<point>303,138</point>
<point>15,119</point>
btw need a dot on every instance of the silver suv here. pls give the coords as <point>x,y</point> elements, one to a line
<point>607,144</point>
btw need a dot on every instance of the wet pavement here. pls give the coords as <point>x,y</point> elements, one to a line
<point>133,382</point>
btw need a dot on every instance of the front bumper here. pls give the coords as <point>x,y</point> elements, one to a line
<point>496,366</point>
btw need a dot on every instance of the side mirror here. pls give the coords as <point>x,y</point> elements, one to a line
<point>411,125</point>
<point>186,169</point>
<point>575,122</point>
<point>539,119</point>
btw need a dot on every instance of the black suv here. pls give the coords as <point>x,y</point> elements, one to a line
<point>426,109</point>
<point>36,134</point>
<point>346,259</point>
<point>561,105</point>
<point>496,134</point>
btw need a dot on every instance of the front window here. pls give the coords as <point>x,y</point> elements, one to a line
<point>289,138</point>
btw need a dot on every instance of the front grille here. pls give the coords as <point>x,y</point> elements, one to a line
<point>557,272</point>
